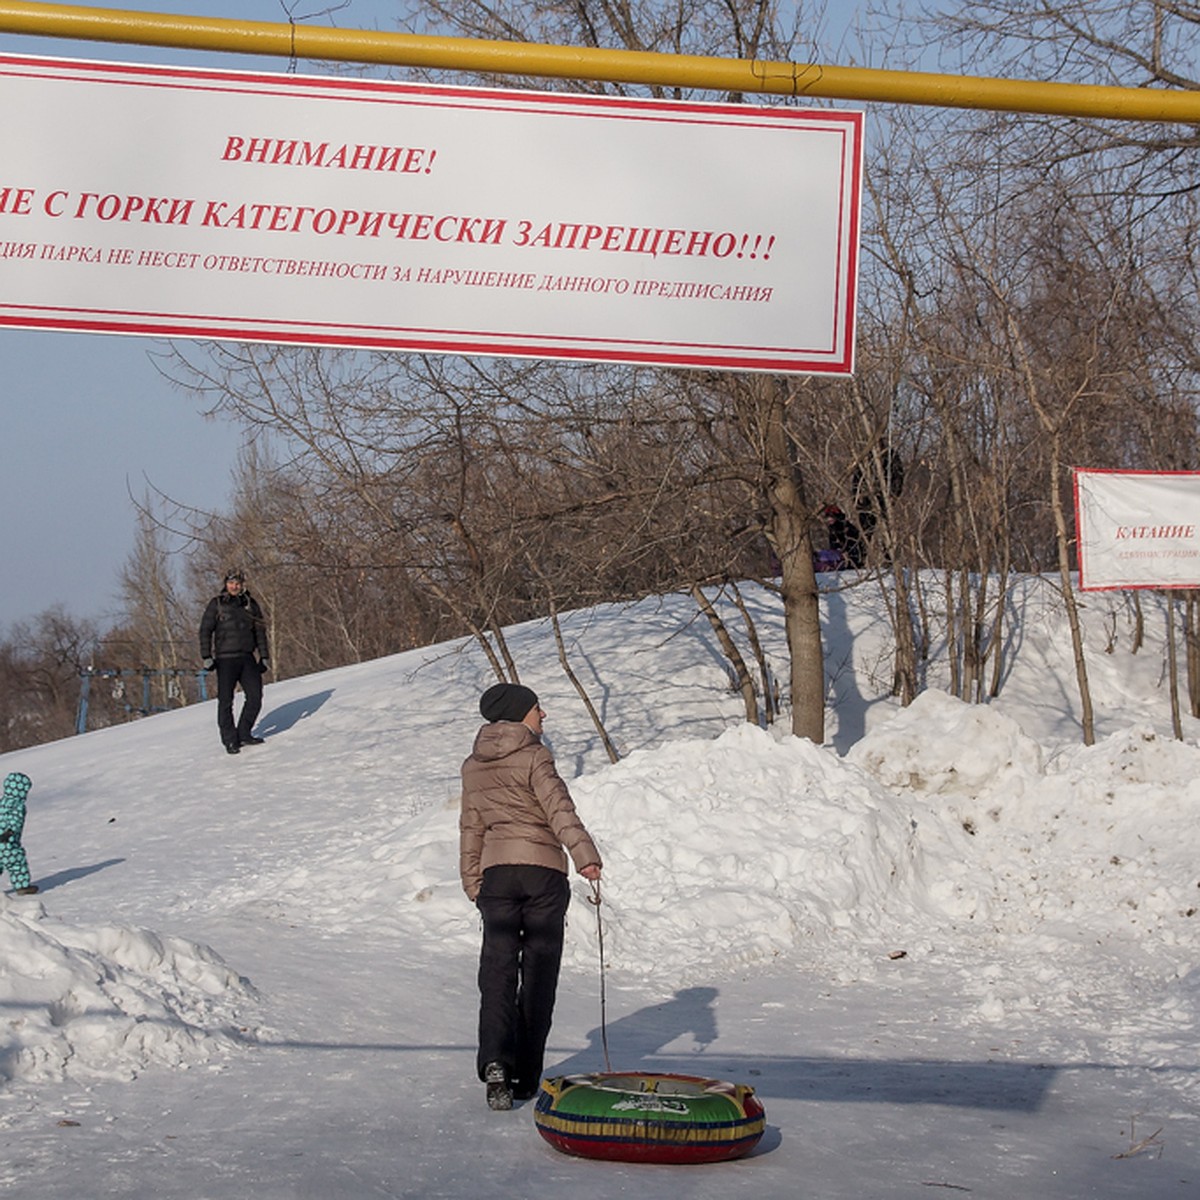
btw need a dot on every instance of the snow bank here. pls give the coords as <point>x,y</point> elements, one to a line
<point>742,849</point>
<point>942,830</point>
<point>1103,836</point>
<point>103,1001</point>
<point>718,853</point>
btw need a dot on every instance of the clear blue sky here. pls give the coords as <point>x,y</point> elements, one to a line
<point>86,420</point>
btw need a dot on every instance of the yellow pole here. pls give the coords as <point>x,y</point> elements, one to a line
<point>614,66</point>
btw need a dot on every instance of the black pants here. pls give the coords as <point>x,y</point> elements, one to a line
<point>243,669</point>
<point>524,909</point>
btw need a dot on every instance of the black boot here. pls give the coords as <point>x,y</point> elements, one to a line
<point>499,1092</point>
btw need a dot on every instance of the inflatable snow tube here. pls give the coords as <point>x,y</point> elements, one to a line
<point>651,1118</point>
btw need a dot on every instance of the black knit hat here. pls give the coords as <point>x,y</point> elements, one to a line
<point>507,702</point>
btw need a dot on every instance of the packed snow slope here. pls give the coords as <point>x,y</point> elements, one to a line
<point>983,885</point>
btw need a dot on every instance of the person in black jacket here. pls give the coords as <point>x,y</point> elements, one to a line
<point>233,640</point>
<point>881,475</point>
<point>845,538</point>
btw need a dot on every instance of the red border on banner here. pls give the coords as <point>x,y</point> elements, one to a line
<point>1120,587</point>
<point>835,359</point>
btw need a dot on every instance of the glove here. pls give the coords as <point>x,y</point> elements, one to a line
<point>264,665</point>
<point>209,664</point>
<point>6,836</point>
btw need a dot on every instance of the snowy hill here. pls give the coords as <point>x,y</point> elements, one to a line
<point>954,948</point>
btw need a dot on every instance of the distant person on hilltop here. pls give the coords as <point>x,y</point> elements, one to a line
<point>517,815</point>
<point>12,825</point>
<point>232,634</point>
<point>874,481</point>
<point>845,540</point>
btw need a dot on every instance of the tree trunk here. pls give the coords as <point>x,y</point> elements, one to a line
<point>1192,653</point>
<point>764,670</point>
<point>952,637</point>
<point>1173,669</point>
<point>788,530</point>
<point>904,673</point>
<point>1087,720</point>
<point>732,653</point>
<point>996,649</point>
<point>609,748</point>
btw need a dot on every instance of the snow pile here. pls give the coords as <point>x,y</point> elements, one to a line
<point>939,745</point>
<point>103,1001</point>
<point>743,849</point>
<point>717,853</point>
<point>942,829</point>
<point>1104,837</point>
<point>1080,875</point>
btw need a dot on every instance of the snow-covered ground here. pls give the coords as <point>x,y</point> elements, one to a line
<point>954,950</point>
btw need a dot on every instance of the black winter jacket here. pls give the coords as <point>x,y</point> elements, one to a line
<point>232,625</point>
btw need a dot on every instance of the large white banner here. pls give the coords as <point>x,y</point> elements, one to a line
<point>229,205</point>
<point>1138,529</point>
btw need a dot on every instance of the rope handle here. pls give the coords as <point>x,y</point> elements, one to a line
<point>595,900</point>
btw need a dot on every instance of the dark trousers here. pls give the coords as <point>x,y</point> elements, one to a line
<point>235,669</point>
<point>524,909</point>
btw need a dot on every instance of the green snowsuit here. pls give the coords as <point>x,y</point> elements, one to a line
<point>12,823</point>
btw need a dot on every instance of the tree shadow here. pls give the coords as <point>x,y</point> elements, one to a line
<point>45,883</point>
<point>841,681</point>
<point>283,718</point>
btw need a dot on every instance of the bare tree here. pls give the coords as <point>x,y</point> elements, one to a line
<point>41,662</point>
<point>155,618</point>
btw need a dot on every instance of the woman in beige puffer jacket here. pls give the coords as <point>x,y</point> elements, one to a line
<point>517,817</point>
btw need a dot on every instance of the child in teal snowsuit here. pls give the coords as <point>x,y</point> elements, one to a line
<point>12,823</point>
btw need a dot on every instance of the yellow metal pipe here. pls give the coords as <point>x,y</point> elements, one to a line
<point>613,66</point>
